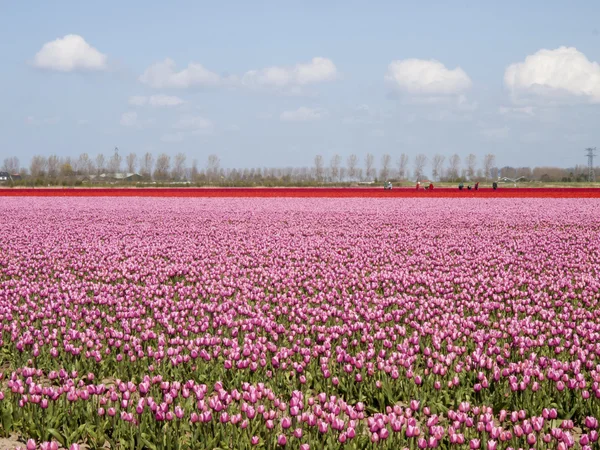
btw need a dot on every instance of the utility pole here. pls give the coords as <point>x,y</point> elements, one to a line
<point>590,153</point>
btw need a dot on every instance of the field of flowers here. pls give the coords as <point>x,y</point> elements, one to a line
<point>239,323</point>
<point>311,192</point>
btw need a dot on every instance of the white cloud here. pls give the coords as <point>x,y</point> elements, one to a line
<point>518,112</point>
<point>68,54</point>
<point>364,114</point>
<point>318,70</point>
<point>463,104</point>
<point>159,100</point>
<point>303,114</point>
<point>173,137</point>
<point>188,126</point>
<point>194,124</point>
<point>138,100</point>
<point>555,74</point>
<point>32,120</point>
<point>426,77</point>
<point>290,80</point>
<point>495,133</point>
<point>129,119</point>
<point>163,75</point>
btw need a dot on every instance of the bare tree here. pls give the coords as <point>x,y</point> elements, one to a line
<point>179,167</point>
<point>147,165</point>
<point>161,168</point>
<point>194,170</point>
<point>100,164</point>
<point>334,165</point>
<point>386,163</point>
<point>66,167</point>
<point>11,165</point>
<point>453,167</point>
<point>471,163</point>
<point>85,164</point>
<point>114,165</point>
<point>403,166</point>
<point>352,164</point>
<point>212,166</point>
<point>38,166</point>
<point>489,161</point>
<point>437,166</point>
<point>369,166</point>
<point>319,168</point>
<point>131,161</point>
<point>419,165</point>
<point>53,166</point>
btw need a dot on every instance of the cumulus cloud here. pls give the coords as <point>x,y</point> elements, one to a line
<point>556,74</point>
<point>68,54</point>
<point>164,75</point>
<point>160,100</point>
<point>289,79</point>
<point>303,114</point>
<point>426,77</point>
<point>318,70</point>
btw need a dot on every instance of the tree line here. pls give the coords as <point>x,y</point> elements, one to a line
<point>165,168</point>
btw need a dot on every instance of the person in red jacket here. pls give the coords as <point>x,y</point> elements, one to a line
<point>430,186</point>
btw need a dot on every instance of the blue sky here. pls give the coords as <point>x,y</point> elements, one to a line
<point>274,83</point>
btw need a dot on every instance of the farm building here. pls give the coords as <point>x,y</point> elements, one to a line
<point>114,177</point>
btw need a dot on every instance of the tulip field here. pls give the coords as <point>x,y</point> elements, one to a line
<point>300,323</point>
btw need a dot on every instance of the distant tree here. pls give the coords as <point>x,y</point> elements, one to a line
<point>194,170</point>
<point>470,165</point>
<point>352,165</point>
<point>38,166</point>
<point>508,172</point>
<point>53,166</point>
<point>114,165</point>
<point>131,162</point>
<point>11,165</point>
<point>179,167</point>
<point>319,168</point>
<point>162,166</point>
<point>147,165</point>
<point>334,165</point>
<point>386,163</point>
<point>85,165</point>
<point>100,164</point>
<point>489,161</point>
<point>66,169</point>
<point>403,166</point>
<point>437,166</point>
<point>213,165</point>
<point>369,166</point>
<point>453,167</point>
<point>419,166</point>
